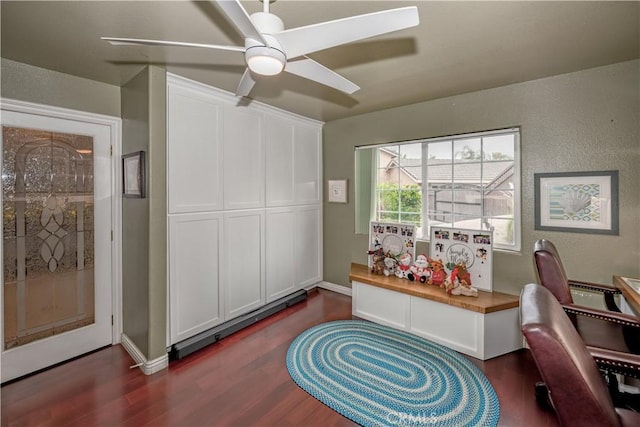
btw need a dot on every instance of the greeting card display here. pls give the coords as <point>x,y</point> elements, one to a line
<point>465,250</point>
<point>390,241</point>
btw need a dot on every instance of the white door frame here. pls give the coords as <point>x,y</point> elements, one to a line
<point>115,126</point>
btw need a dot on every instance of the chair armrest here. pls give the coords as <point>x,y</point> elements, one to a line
<point>623,363</point>
<point>607,292</point>
<point>596,287</point>
<point>609,316</point>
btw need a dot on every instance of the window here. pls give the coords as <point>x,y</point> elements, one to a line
<point>467,181</point>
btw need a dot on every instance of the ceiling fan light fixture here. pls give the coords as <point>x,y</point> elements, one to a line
<point>265,61</point>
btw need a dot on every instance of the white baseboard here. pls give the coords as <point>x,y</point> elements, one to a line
<point>148,367</point>
<point>332,287</point>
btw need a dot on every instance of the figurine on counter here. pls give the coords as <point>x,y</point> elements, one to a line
<point>403,270</point>
<point>390,264</point>
<point>377,261</point>
<point>460,282</point>
<point>420,269</point>
<point>438,273</point>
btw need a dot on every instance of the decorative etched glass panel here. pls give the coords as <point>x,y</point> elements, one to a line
<point>47,185</point>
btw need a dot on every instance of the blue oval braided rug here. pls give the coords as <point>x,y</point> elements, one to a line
<point>379,376</point>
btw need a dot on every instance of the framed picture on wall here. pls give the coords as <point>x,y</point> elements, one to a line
<point>578,202</point>
<point>337,190</point>
<point>133,177</point>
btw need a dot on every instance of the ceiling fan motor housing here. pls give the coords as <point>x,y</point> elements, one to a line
<point>265,60</point>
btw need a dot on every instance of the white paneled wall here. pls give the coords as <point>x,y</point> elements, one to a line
<point>245,206</point>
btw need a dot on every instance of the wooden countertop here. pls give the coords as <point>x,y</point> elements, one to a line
<point>485,302</point>
<point>632,297</point>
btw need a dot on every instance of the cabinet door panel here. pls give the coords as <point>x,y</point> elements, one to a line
<point>279,149</point>
<point>280,254</point>
<point>308,244</point>
<point>194,151</point>
<point>244,261</point>
<point>307,149</point>
<point>194,289</point>
<point>243,159</point>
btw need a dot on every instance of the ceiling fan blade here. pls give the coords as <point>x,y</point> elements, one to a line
<point>246,84</point>
<point>240,18</point>
<point>118,41</point>
<point>312,70</point>
<point>312,38</point>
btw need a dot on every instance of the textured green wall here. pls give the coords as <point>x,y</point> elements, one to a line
<point>135,217</point>
<point>32,84</point>
<point>144,230</point>
<point>157,187</point>
<point>582,121</point>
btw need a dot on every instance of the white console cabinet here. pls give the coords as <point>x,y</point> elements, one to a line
<point>244,203</point>
<point>482,327</point>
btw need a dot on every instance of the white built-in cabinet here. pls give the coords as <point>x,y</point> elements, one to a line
<point>293,248</point>
<point>292,169</point>
<point>244,203</point>
<point>196,295</point>
<point>244,261</point>
<point>308,235</point>
<point>194,151</point>
<point>243,158</point>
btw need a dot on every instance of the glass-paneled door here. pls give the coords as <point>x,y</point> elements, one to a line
<point>56,200</point>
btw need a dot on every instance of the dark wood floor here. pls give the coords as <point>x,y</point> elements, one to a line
<point>241,381</point>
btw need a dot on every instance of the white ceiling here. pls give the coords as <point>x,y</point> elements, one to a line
<point>458,47</point>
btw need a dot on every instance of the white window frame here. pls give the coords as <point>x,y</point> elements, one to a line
<point>517,190</point>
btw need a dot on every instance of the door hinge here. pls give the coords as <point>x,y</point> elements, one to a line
<point>112,235</point>
<point>111,150</point>
<point>112,320</point>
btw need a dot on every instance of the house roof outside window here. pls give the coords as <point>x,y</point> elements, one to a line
<point>494,173</point>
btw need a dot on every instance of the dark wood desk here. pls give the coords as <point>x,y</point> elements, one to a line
<point>630,294</point>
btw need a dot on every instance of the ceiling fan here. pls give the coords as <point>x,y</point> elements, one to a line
<point>269,49</point>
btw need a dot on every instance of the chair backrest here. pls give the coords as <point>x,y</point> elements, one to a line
<point>551,272</point>
<point>576,386</point>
